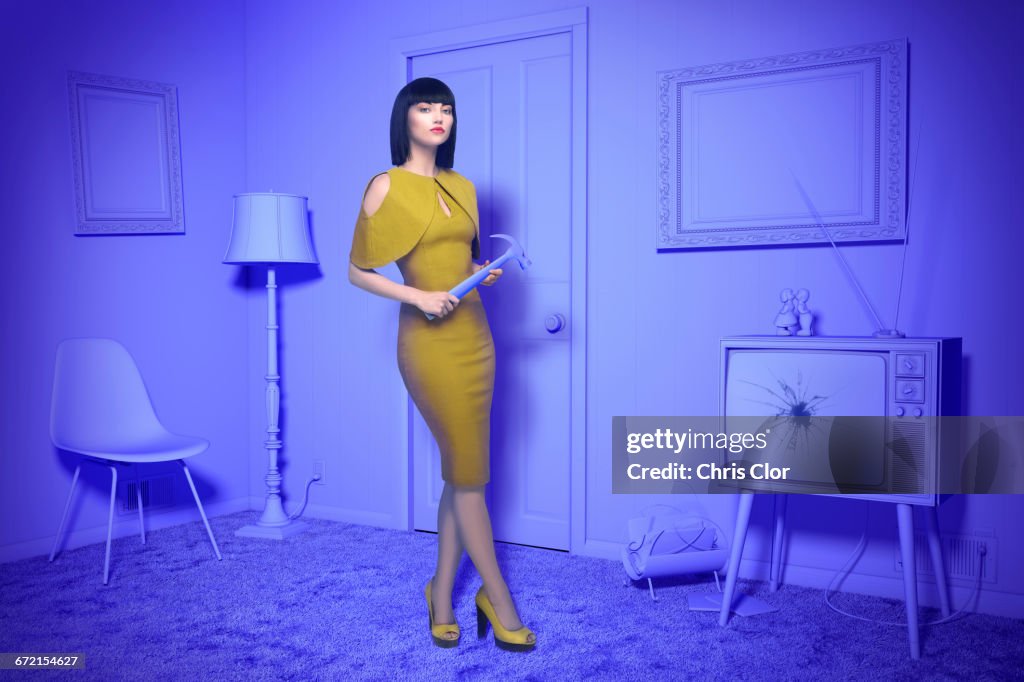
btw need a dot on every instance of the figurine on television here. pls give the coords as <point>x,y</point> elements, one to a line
<point>786,320</point>
<point>804,312</point>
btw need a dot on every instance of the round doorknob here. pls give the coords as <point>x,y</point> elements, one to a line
<point>554,323</point>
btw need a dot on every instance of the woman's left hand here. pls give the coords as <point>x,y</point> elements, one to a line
<point>492,277</point>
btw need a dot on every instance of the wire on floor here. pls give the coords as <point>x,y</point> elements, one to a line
<point>982,550</point>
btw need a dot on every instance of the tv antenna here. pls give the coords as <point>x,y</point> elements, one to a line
<point>906,236</point>
<point>881,331</point>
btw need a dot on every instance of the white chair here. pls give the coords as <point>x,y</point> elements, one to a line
<point>100,409</point>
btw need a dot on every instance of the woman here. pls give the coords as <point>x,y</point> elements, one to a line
<point>423,215</point>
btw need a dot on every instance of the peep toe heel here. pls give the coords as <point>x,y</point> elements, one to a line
<point>510,640</point>
<point>439,632</point>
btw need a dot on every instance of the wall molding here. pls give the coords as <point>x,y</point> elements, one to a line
<point>126,155</point>
<point>731,134</point>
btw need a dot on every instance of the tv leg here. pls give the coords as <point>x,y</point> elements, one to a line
<point>739,535</point>
<point>931,521</point>
<point>775,571</point>
<point>905,517</point>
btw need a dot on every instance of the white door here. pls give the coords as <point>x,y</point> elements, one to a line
<point>513,102</point>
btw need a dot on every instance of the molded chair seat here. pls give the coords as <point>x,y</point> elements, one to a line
<point>101,409</point>
<point>160,448</point>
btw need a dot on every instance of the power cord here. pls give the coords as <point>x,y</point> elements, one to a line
<point>305,498</point>
<point>982,551</point>
<point>719,541</point>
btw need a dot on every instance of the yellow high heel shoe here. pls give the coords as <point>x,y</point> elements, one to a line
<point>510,640</point>
<point>438,632</point>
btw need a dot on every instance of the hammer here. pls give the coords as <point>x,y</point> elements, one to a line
<point>514,251</point>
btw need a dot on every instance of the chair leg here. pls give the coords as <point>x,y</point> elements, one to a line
<point>64,516</point>
<point>209,531</point>
<point>110,522</point>
<point>138,495</point>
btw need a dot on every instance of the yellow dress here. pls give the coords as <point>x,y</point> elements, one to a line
<point>447,363</point>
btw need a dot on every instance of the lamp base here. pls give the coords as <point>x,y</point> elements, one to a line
<point>254,530</point>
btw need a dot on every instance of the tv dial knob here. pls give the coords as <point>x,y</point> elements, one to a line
<point>918,411</point>
<point>900,412</point>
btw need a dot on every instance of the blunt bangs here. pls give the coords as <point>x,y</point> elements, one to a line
<point>431,91</point>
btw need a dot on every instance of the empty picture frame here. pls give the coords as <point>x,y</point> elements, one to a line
<point>736,141</point>
<point>126,155</point>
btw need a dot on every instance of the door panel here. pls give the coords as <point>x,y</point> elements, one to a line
<point>514,111</point>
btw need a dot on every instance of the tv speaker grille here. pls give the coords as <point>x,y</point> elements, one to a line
<point>907,444</point>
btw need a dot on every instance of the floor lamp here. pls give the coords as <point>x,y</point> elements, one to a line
<point>271,228</point>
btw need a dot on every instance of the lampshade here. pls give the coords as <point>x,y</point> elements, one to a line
<point>270,228</point>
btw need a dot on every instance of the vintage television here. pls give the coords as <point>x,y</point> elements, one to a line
<point>908,457</point>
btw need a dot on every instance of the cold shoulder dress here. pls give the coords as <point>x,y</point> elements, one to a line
<point>447,363</point>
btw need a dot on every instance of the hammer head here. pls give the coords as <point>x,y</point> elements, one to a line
<point>515,250</point>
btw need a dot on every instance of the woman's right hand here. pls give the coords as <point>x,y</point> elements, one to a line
<point>437,303</point>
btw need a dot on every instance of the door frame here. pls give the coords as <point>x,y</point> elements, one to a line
<point>574,22</point>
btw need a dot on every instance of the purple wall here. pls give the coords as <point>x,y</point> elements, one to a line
<point>168,298</point>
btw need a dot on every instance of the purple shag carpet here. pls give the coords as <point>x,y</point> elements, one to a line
<point>344,601</point>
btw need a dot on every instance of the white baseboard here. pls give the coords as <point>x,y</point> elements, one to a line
<point>989,601</point>
<point>342,514</point>
<point>124,525</point>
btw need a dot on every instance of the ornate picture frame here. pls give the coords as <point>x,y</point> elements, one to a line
<point>748,151</point>
<point>126,155</point>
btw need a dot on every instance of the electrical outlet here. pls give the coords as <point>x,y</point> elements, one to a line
<point>320,469</point>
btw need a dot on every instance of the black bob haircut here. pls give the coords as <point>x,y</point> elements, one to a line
<point>431,91</point>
